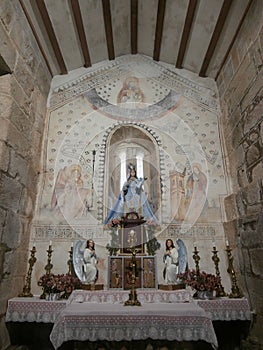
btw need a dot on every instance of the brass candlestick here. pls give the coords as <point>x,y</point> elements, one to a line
<point>70,262</point>
<point>196,258</point>
<point>49,266</point>
<point>235,289</point>
<point>133,301</point>
<point>27,287</point>
<point>220,291</point>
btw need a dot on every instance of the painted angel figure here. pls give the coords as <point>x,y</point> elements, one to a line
<point>175,260</point>
<point>85,261</point>
<point>70,198</point>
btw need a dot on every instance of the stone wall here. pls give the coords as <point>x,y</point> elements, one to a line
<point>23,95</point>
<point>241,91</point>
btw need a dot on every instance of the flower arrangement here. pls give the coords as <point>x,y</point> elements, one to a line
<point>115,223</point>
<point>62,284</point>
<point>200,281</point>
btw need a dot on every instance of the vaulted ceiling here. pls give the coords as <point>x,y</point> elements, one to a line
<point>196,35</point>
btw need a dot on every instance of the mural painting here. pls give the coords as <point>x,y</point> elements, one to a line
<point>140,114</point>
<point>70,198</point>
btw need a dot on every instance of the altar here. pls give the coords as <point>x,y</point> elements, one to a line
<point>90,316</point>
<point>115,322</point>
<point>133,307</point>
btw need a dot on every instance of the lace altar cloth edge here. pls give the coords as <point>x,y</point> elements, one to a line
<point>223,309</point>
<point>120,296</point>
<point>116,322</point>
<point>33,310</point>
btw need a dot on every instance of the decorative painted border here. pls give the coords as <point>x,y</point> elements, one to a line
<point>66,232</point>
<point>207,97</point>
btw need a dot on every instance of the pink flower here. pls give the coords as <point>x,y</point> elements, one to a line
<point>59,283</point>
<point>200,281</point>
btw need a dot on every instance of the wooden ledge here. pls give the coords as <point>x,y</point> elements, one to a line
<point>171,286</point>
<point>92,286</point>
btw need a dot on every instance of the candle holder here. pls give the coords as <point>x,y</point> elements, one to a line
<point>196,258</point>
<point>235,291</point>
<point>220,290</point>
<point>49,266</point>
<point>27,287</point>
<point>70,262</point>
<point>133,301</point>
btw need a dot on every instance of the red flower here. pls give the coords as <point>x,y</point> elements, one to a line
<point>200,281</point>
<point>63,284</point>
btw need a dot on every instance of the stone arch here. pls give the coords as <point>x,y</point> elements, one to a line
<point>131,138</point>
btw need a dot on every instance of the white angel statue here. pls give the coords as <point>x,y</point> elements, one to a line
<point>85,261</point>
<point>175,260</point>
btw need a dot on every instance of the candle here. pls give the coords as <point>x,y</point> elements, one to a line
<point>214,244</point>
<point>34,244</point>
<point>71,244</point>
<point>50,243</point>
<point>227,243</point>
<point>194,244</point>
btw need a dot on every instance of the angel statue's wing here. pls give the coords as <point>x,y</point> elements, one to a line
<point>78,251</point>
<point>182,256</point>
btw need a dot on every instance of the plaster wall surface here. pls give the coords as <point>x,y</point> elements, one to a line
<point>176,112</point>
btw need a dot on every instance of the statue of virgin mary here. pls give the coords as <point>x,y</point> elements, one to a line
<point>132,199</point>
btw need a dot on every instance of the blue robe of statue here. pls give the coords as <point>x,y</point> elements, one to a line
<point>132,198</point>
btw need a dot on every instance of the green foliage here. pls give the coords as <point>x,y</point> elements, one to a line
<point>114,245</point>
<point>152,244</point>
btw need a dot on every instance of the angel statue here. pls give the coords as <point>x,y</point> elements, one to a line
<point>175,260</point>
<point>85,261</point>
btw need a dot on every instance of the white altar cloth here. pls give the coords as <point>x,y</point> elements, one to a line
<point>225,309</point>
<point>37,310</point>
<point>120,296</point>
<point>33,310</point>
<point>115,322</point>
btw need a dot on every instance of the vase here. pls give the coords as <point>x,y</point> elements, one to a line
<point>52,296</point>
<point>204,294</point>
<point>65,295</point>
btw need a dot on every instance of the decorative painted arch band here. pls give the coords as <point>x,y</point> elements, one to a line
<point>102,158</point>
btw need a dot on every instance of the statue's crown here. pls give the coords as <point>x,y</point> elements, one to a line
<point>131,167</point>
